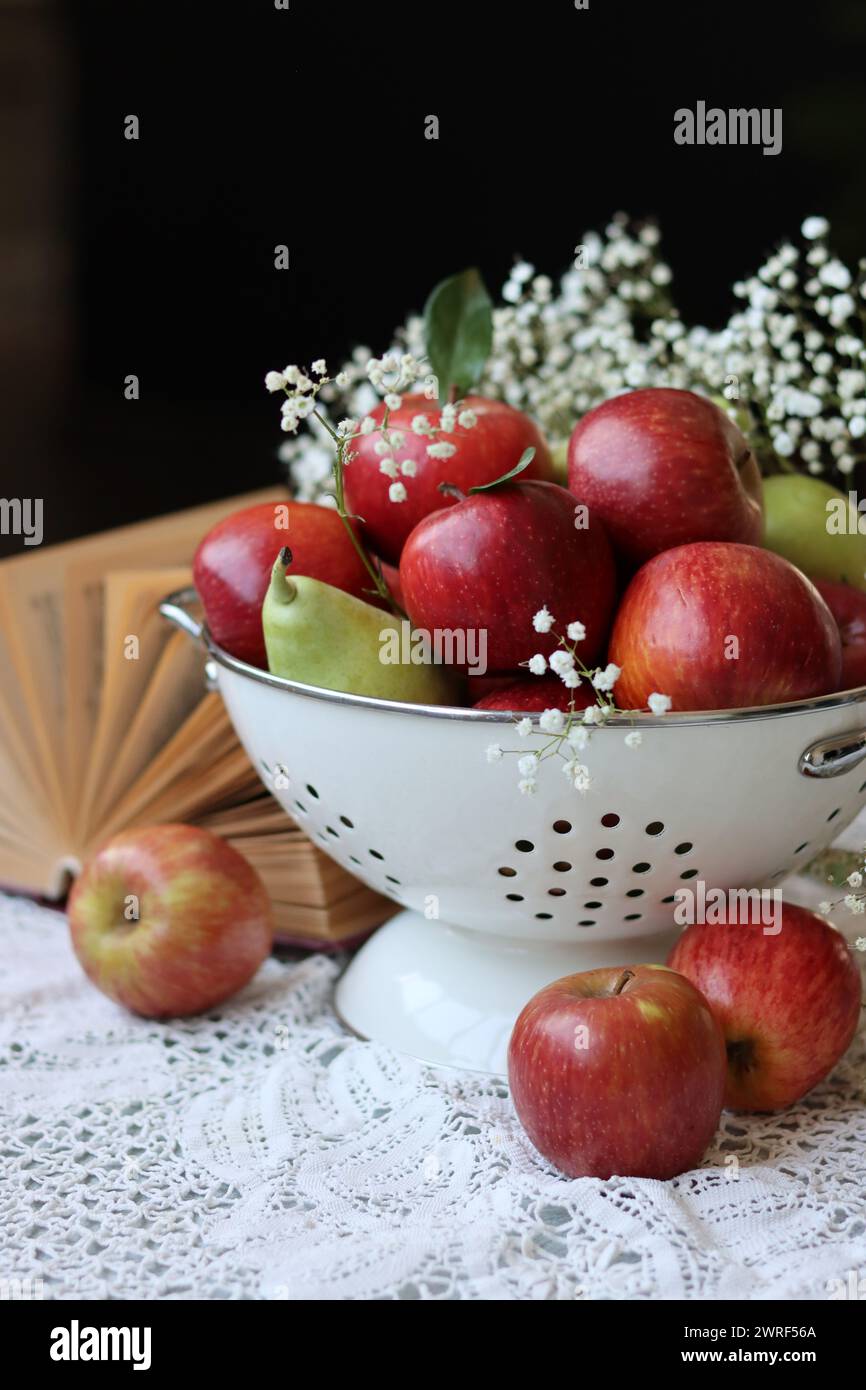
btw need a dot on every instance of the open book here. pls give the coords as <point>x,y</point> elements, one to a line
<point>105,724</point>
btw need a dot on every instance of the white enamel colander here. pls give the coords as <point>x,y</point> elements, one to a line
<point>505,892</point>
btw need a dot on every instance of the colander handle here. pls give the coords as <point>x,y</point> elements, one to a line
<point>830,757</point>
<point>175,607</point>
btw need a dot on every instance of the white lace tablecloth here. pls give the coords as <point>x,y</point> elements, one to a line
<point>264,1153</point>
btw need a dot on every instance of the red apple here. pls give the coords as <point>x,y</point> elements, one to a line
<point>232,567</point>
<point>788,1002</point>
<point>663,468</point>
<point>537,693</point>
<point>618,1071</point>
<point>169,920</point>
<point>848,607</point>
<point>484,452</point>
<point>494,559</point>
<point>720,626</point>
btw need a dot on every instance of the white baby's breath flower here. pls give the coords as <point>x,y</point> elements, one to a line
<point>397,493</point>
<point>606,680</point>
<point>860,943</point>
<point>441,449</point>
<point>524,728</point>
<point>347,427</point>
<point>824,908</point>
<point>815,227</point>
<point>576,632</point>
<point>562,661</point>
<point>320,367</point>
<point>658,704</point>
<point>408,467</point>
<point>537,664</point>
<point>448,418</point>
<point>578,737</point>
<point>528,764</point>
<point>494,753</point>
<point>393,401</point>
<point>552,721</point>
<point>342,380</point>
<point>275,381</point>
<point>634,738</point>
<point>368,424</point>
<point>421,425</point>
<point>467,419</point>
<point>527,786</point>
<point>855,880</point>
<point>570,679</point>
<point>388,467</point>
<point>593,714</point>
<point>854,904</point>
<point>543,620</point>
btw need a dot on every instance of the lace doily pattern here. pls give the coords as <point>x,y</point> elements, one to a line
<point>261,1152</point>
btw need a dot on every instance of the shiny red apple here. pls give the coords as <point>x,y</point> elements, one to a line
<point>848,607</point>
<point>537,693</point>
<point>232,567</point>
<point>493,560</point>
<point>722,626</point>
<point>788,1003</point>
<point>169,920</point>
<point>663,468</point>
<point>493,445</point>
<point>618,1071</point>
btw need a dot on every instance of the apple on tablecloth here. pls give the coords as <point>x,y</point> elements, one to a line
<point>788,1002</point>
<point>618,1071</point>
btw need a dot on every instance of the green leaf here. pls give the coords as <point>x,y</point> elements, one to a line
<point>458,327</point>
<point>523,462</point>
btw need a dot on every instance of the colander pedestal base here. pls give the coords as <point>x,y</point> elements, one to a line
<point>449,996</point>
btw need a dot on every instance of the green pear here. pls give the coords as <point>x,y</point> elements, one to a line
<point>816,527</point>
<point>320,635</point>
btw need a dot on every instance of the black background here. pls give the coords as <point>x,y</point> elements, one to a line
<point>306,127</point>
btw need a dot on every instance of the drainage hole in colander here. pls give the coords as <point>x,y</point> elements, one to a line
<point>862,787</point>
<point>354,859</point>
<point>610,820</point>
<point>350,825</point>
<point>834,814</point>
<point>561,866</point>
<point>587,922</point>
<point>634,893</point>
<point>598,882</point>
<point>265,766</point>
<point>684,847</point>
<point>556,892</point>
<point>671,898</point>
<point>299,805</point>
<point>689,873</point>
<point>506,872</point>
<point>562,827</point>
<point>331,831</point>
<point>514,897</point>
<point>642,868</point>
<point>593,905</point>
<point>312,791</point>
<point>544,916</point>
<point>604,854</point>
<point>525,846</point>
<point>800,848</point>
<point>631,916</point>
<point>393,880</point>
<point>375,854</point>
<point>655,827</point>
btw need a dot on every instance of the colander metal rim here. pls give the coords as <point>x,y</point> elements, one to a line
<point>174,605</point>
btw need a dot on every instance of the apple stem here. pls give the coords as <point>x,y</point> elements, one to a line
<point>451,490</point>
<point>623,981</point>
<point>452,393</point>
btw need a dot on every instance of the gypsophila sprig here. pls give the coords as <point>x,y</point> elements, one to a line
<point>390,375</point>
<point>855,900</point>
<point>568,731</point>
<point>789,365</point>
